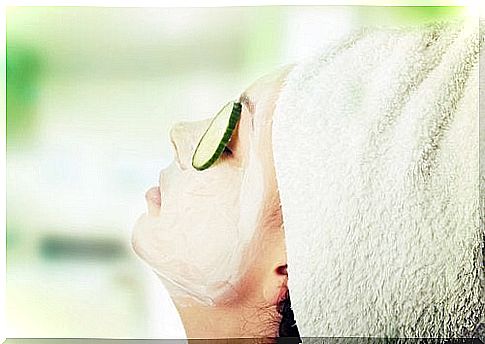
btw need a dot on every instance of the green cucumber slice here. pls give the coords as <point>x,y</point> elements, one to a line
<point>216,137</point>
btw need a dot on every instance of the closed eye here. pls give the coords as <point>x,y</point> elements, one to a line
<point>227,151</point>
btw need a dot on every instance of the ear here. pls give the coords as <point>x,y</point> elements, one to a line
<point>276,286</point>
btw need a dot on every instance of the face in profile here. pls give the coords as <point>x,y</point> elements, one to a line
<point>215,237</point>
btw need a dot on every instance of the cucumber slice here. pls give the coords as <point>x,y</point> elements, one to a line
<point>216,137</point>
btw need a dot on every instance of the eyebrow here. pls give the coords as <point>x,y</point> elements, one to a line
<point>247,102</point>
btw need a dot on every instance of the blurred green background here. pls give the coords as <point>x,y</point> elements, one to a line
<point>91,95</point>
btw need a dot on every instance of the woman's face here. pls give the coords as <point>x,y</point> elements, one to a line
<point>216,235</point>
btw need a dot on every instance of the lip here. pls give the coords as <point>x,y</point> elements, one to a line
<point>153,194</point>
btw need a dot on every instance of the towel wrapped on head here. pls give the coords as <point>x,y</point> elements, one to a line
<point>376,150</point>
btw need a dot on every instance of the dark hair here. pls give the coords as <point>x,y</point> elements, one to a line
<point>288,327</point>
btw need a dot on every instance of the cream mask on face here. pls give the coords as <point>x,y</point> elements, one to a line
<point>198,242</point>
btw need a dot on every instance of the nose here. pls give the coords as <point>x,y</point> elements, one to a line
<point>185,137</point>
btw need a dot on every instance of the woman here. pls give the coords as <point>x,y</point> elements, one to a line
<point>372,150</point>
<point>227,217</point>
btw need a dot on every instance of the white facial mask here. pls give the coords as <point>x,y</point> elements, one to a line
<point>193,244</point>
<point>198,245</point>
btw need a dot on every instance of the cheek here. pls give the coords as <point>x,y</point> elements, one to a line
<point>201,261</point>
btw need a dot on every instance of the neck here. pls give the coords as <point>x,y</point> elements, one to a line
<point>233,321</point>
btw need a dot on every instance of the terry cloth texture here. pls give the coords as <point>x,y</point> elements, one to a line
<point>376,149</point>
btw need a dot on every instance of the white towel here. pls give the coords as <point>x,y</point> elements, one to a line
<point>376,153</point>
